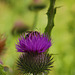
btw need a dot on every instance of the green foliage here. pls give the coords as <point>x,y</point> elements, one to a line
<point>2,72</point>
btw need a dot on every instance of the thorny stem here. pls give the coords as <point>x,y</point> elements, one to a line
<point>51,14</point>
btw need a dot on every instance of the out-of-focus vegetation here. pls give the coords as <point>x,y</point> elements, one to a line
<point>63,33</point>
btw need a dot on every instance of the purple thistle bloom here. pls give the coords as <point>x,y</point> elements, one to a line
<point>33,42</point>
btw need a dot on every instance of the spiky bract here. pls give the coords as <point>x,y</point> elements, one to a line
<point>28,63</point>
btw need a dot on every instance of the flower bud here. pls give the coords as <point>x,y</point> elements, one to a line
<point>19,27</point>
<point>28,63</point>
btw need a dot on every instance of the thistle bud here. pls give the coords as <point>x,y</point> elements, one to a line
<point>19,27</point>
<point>37,5</point>
<point>28,63</point>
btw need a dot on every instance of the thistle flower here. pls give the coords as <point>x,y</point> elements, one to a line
<point>33,42</point>
<point>2,43</point>
<point>34,59</point>
<point>34,64</point>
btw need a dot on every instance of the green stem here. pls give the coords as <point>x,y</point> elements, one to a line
<point>34,74</point>
<point>42,73</point>
<point>35,20</point>
<point>51,14</point>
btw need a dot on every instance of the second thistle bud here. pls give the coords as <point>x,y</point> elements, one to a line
<point>19,27</point>
<point>37,5</point>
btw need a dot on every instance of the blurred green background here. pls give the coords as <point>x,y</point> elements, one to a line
<point>63,33</point>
